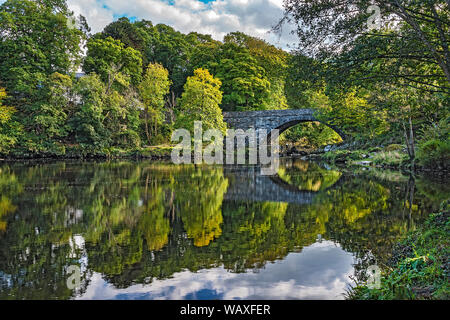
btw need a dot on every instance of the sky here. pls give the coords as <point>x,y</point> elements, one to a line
<point>214,17</point>
<point>320,271</point>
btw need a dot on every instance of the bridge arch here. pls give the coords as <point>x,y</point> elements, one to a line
<point>247,184</point>
<point>287,125</point>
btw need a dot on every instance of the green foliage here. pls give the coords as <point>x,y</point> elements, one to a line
<point>353,114</point>
<point>434,152</point>
<point>390,158</point>
<point>418,266</point>
<point>310,135</point>
<point>200,101</point>
<point>244,81</point>
<point>51,113</point>
<point>113,61</point>
<point>337,32</point>
<point>274,61</point>
<point>434,146</point>
<point>382,84</point>
<point>29,57</point>
<point>104,119</point>
<point>153,89</point>
<point>88,120</point>
<point>130,34</point>
<point>9,129</point>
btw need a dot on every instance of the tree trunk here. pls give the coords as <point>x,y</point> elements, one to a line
<point>146,127</point>
<point>409,139</point>
<point>171,105</point>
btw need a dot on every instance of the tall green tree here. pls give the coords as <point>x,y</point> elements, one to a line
<point>244,82</point>
<point>409,33</point>
<point>200,101</point>
<point>273,60</point>
<point>52,119</point>
<point>88,120</point>
<point>115,63</point>
<point>153,89</point>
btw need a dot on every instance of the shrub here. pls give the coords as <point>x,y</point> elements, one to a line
<point>392,158</point>
<point>434,152</point>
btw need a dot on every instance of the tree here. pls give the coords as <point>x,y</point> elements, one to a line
<point>36,41</point>
<point>114,62</point>
<point>245,85</point>
<point>274,61</point>
<point>88,120</point>
<point>171,49</point>
<point>9,129</point>
<point>153,89</point>
<point>128,33</point>
<point>102,119</point>
<point>401,68</point>
<point>411,33</point>
<point>200,101</point>
<point>52,120</point>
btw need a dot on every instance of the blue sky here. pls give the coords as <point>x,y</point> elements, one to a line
<point>214,17</point>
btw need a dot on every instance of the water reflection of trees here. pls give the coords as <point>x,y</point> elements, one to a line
<point>142,222</point>
<point>308,176</point>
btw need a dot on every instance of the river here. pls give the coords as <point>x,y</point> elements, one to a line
<point>146,230</point>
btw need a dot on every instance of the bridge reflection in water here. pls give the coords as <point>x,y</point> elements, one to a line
<point>246,183</point>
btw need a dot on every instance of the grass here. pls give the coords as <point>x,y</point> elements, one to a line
<point>419,266</point>
<point>390,158</point>
<point>375,156</point>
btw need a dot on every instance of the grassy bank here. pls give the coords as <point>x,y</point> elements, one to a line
<point>392,156</point>
<point>419,266</point>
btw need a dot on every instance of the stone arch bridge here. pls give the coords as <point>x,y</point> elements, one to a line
<point>272,119</point>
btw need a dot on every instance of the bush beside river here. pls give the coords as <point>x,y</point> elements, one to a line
<point>419,266</point>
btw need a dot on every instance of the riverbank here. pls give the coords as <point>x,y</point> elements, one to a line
<point>419,266</point>
<point>160,152</point>
<point>390,157</point>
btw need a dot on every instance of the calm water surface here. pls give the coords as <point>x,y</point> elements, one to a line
<point>140,230</point>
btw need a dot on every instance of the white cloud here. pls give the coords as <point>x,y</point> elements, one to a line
<point>254,17</point>
<point>219,17</point>
<point>320,271</point>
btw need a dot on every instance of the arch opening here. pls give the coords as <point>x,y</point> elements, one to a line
<point>308,134</point>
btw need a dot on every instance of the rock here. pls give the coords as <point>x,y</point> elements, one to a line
<point>328,148</point>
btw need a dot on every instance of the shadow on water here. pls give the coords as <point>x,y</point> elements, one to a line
<point>200,232</point>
